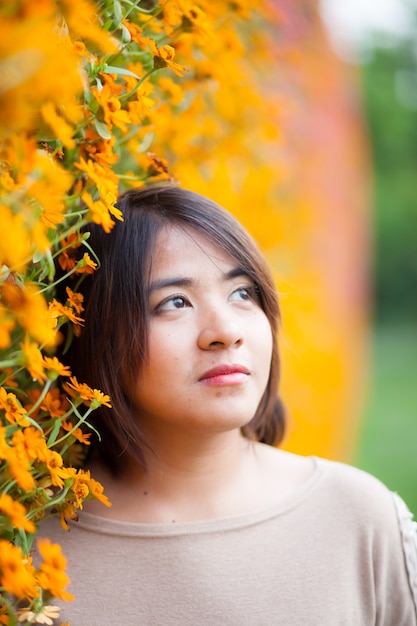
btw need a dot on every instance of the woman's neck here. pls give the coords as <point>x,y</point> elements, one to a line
<point>218,476</point>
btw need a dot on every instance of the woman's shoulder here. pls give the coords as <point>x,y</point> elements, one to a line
<point>361,498</point>
<point>351,478</point>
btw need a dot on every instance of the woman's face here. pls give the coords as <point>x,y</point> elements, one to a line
<point>210,343</point>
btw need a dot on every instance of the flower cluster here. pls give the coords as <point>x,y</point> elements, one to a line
<point>96,97</point>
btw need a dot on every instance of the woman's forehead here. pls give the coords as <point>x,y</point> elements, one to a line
<point>184,245</point>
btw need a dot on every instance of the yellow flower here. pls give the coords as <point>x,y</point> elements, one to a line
<point>81,17</point>
<point>32,359</point>
<point>55,368</point>
<point>6,181</point>
<point>30,310</point>
<point>52,576</point>
<point>30,444</point>
<point>174,91</point>
<point>20,470</point>
<point>63,131</point>
<point>16,512</point>
<point>49,188</point>
<point>17,574</point>
<point>98,212</point>
<point>54,403</point>
<point>15,249</point>
<point>4,446</point>
<point>103,176</point>
<point>6,326</point>
<point>57,472</point>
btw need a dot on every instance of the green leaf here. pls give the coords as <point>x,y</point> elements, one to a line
<point>102,129</point>
<point>113,69</point>
<point>118,15</point>
<point>54,434</point>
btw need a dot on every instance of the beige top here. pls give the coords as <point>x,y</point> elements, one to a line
<point>331,555</point>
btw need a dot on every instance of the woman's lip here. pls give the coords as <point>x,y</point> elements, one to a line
<point>225,375</point>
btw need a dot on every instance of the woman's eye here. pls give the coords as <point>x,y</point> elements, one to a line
<point>243,294</point>
<point>173,304</point>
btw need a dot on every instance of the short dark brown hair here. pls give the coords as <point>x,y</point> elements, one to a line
<point>114,337</point>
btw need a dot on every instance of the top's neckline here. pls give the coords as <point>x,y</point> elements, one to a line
<point>104,525</point>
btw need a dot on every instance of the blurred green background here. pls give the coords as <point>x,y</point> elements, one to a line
<point>388,438</point>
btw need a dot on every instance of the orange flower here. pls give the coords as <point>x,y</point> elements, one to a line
<point>57,309</point>
<point>16,512</point>
<point>7,324</point>
<point>99,149</point>
<point>136,33</point>
<point>87,394</point>
<point>4,446</point>
<point>67,259</point>
<point>98,398</point>
<point>52,576</point>
<point>164,57</point>
<point>98,212</point>
<point>104,178</point>
<point>55,367</point>
<point>66,511</point>
<point>17,574</point>
<point>53,403</point>
<point>15,249</point>
<point>94,488</point>
<point>63,131</point>
<point>111,108</point>
<point>75,300</point>
<point>74,388</point>
<point>33,360</point>
<point>30,310</point>
<point>13,410</point>
<point>20,469</point>
<point>77,433</point>
<point>86,265</point>
<point>57,472</point>
<point>30,444</point>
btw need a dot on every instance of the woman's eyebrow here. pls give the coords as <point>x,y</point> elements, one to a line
<point>237,272</point>
<point>171,282</point>
<point>183,281</point>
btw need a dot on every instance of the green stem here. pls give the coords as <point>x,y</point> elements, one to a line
<point>126,96</point>
<point>41,397</point>
<point>8,363</point>
<point>81,420</point>
<point>52,285</point>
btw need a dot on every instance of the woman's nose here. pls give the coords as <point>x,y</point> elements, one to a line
<point>220,331</point>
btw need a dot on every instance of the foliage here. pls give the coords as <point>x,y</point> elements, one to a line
<point>390,97</point>
<point>95,98</point>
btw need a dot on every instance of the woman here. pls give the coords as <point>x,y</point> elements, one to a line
<point>210,523</point>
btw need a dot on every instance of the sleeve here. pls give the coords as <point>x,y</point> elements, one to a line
<point>408,530</point>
